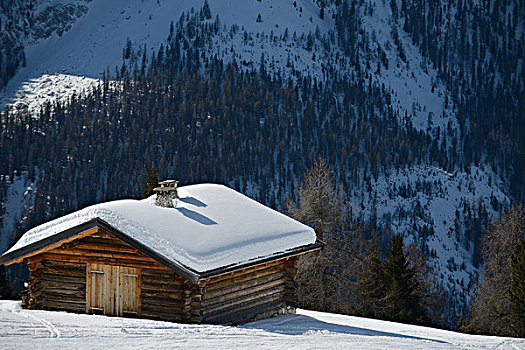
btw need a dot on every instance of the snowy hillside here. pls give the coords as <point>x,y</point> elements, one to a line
<point>290,37</point>
<point>305,330</point>
<point>427,204</point>
<point>19,198</point>
<point>97,40</point>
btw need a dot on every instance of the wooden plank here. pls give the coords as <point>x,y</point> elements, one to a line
<point>59,285</point>
<point>243,271</point>
<point>154,273</point>
<point>244,299</point>
<point>247,307</point>
<point>247,314</point>
<point>109,290</point>
<point>92,242</point>
<point>129,290</point>
<point>101,254</point>
<point>56,266</point>
<point>60,296</point>
<point>61,305</point>
<point>255,288</point>
<point>139,294</point>
<point>161,278</point>
<point>171,302</point>
<point>54,245</point>
<point>56,271</point>
<point>54,277</point>
<point>210,294</point>
<point>99,260</point>
<point>240,278</point>
<point>89,290</point>
<point>44,292</point>
<point>160,287</point>
<point>161,295</point>
<point>88,246</point>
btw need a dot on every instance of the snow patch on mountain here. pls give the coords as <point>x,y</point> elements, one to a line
<point>20,196</point>
<point>97,39</point>
<point>423,203</point>
<point>416,91</point>
<point>35,93</point>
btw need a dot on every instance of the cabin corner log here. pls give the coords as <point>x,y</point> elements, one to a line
<point>290,283</point>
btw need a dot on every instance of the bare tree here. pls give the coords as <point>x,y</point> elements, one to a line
<point>491,306</point>
<point>326,279</point>
<point>319,203</point>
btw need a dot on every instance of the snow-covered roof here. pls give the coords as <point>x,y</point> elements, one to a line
<point>211,226</point>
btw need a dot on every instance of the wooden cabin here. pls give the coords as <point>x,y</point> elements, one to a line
<point>211,255</point>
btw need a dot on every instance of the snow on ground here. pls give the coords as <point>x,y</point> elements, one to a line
<point>203,232</point>
<point>305,330</point>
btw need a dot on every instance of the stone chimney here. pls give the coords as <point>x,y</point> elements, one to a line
<point>166,193</point>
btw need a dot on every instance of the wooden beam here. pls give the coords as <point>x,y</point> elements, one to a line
<point>234,287</point>
<point>240,278</point>
<point>257,288</point>
<point>246,308</point>
<point>100,254</point>
<point>53,245</point>
<point>165,288</point>
<point>245,270</point>
<point>104,247</point>
<point>253,297</point>
<point>61,305</point>
<point>99,260</point>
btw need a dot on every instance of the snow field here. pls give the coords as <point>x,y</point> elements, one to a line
<point>305,330</point>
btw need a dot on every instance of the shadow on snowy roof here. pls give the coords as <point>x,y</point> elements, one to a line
<point>201,219</point>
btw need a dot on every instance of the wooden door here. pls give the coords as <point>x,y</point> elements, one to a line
<point>112,290</point>
<point>97,288</point>
<point>128,302</point>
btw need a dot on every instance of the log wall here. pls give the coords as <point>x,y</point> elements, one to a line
<point>161,295</point>
<point>58,281</point>
<point>244,295</point>
<point>58,277</point>
<point>57,285</point>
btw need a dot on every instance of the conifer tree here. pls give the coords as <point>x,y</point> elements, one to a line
<point>433,296</point>
<point>152,181</point>
<point>402,300</point>
<point>371,284</point>
<point>319,202</point>
<point>517,291</point>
